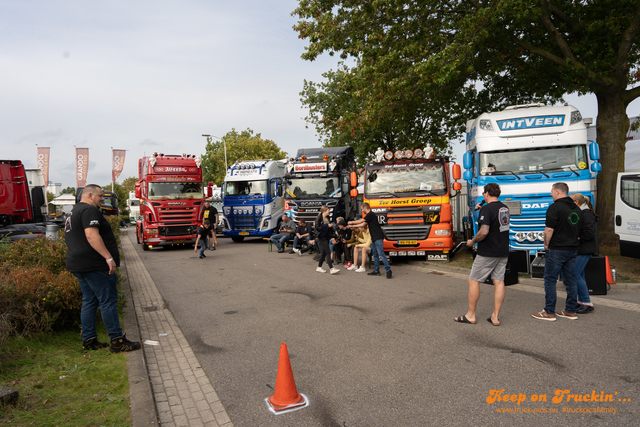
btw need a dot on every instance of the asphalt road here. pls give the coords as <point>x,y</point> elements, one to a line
<point>376,352</point>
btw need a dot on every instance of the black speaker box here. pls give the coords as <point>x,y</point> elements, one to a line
<point>511,273</point>
<point>596,275</point>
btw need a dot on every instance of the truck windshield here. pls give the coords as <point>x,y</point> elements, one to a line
<point>134,202</point>
<point>110,200</point>
<point>533,160</point>
<point>175,190</point>
<point>246,188</point>
<point>413,178</point>
<point>313,188</point>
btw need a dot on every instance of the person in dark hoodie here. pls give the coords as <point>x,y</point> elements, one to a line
<point>563,226</point>
<point>587,247</point>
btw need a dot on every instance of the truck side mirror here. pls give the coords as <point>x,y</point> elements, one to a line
<point>137,190</point>
<point>467,161</point>
<point>456,171</point>
<point>468,175</point>
<point>457,186</point>
<point>209,191</point>
<point>594,151</point>
<point>354,192</point>
<point>596,167</point>
<point>354,179</point>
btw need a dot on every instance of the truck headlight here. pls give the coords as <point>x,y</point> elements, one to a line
<point>532,236</point>
<point>445,232</point>
<point>520,237</point>
<point>541,236</point>
<point>576,117</point>
<point>486,125</point>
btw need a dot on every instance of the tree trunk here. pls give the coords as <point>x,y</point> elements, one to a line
<point>612,125</point>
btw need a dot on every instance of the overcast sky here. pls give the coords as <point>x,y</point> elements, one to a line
<point>153,76</point>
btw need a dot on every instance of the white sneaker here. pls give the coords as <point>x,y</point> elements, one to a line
<point>352,267</point>
<point>321,270</point>
<point>299,252</point>
<point>334,271</point>
<point>361,269</point>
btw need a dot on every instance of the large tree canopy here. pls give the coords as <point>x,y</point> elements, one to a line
<point>436,64</point>
<point>239,146</point>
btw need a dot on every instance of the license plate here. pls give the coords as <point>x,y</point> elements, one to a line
<point>244,233</point>
<point>407,242</point>
<point>179,240</point>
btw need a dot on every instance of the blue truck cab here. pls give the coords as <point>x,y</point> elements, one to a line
<point>526,149</point>
<point>252,198</point>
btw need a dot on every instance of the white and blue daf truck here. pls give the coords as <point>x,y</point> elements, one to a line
<point>252,202</point>
<point>526,149</point>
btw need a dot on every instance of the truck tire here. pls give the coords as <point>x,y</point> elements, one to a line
<point>137,237</point>
<point>237,239</point>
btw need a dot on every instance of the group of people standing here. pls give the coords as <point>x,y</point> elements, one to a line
<point>331,240</point>
<point>570,239</point>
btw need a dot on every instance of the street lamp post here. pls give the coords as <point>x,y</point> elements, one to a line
<point>225,148</point>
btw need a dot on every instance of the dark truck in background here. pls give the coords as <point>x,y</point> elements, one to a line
<point>321,176</point>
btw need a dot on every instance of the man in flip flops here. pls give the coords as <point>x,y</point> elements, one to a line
<point>493,253</point>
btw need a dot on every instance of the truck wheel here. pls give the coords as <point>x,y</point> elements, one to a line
<point>237,239</point>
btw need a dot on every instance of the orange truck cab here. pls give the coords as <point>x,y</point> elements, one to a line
<point>410,192</point>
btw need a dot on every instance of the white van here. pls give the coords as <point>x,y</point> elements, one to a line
<point>627,222</point>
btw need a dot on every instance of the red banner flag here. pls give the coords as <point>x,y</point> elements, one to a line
<point>82,166</point>
<point>118,163</point>
<point>43,163</point>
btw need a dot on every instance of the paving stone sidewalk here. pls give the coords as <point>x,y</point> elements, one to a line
<point>182,391</point>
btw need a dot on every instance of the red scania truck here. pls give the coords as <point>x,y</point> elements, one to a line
<point>171,195</point>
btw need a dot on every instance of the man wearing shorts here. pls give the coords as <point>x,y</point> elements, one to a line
<point>493,253</point>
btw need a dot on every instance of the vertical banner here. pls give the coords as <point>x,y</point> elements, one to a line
<point>82,166</point>
<point>118,163</point>
<point>43,163</point>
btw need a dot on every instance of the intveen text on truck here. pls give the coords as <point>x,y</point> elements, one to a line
<point>410,192</point>
<point>170,191</point>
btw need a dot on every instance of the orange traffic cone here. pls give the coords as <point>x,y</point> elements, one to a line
<point>286,396</point>
<point>610,280</point>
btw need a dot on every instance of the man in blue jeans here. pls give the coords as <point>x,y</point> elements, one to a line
<point>286,229</point>
<point>377,238</point>
<point>563,226</point>
<point>92,256</point>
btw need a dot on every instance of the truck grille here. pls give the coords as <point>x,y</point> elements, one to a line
<point>177,214</point>
<point>398,232</point>
<point>243,218</point>
<point>308,213</point>
<point>178,230</point>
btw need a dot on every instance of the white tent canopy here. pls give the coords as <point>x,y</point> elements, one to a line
<point>64,199</point>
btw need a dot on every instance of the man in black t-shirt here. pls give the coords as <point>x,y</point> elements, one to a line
<point>203,234</point>
<point>211,213</point>
<point>92,256</point>
<point>493,253</point>
<point>377,240</point>
<point>563,225</point>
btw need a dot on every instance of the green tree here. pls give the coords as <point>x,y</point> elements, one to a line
<point>240,146</point>
<point>129,184</point>
<point>69,190</point>
<point>460,58</point>
<point>50,196</point>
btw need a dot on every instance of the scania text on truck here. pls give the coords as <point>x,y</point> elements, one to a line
<point>410,193</point>
<point>252,198</point>
<point>171,195</point>
<point>317,177</point>
<point>526,149</point>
